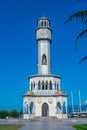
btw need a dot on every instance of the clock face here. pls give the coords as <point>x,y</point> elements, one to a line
<point>44,33</point>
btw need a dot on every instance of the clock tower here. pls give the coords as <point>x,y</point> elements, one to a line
<point>44,98</point>
<point>43,37</point>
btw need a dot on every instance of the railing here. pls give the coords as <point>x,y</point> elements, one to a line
<point>45,92</point>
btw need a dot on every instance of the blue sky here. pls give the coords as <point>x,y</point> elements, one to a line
<point>18,48</point>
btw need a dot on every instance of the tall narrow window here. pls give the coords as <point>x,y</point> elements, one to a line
<point>31,107</point>
<point>42,85</point>
<point>44,23</point>
<point>46,85</point>
<point>55,85</point>
<point>31,86</point>
<point>38,85</point>
<point>50,85</point>
<point>34,85</point>
<point>47,24</point>
<point>44,59</point>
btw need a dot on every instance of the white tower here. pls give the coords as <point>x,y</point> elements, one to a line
<point>44,97</point>
<point>43,37</point>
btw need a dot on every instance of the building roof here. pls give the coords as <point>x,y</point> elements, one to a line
<point>43,18</point>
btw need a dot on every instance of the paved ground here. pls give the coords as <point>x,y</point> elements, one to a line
<point>45,123</point>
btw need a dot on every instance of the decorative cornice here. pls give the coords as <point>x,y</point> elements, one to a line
<point>50,75</point>
<point>42,95</point>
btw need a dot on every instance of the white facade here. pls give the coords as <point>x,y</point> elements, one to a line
<point>44,97</point>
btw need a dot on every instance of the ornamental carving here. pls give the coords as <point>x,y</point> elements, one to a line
<point>39,100</point>
<point>50,100</point>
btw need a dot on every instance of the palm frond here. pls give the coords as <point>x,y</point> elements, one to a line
<point>81,14</point>
<point>83,59</point>
<point>80,35</point>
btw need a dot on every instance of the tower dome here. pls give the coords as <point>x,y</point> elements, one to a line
<point>43,18</point>
<point>43,22</point>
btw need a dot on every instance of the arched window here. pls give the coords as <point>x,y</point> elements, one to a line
<point>44,59</point>
<point>44,23</point>
<point>25,109</point>
<point>50,85</point>
<point>39,85</point>
<point>42,85</point>
<point>46,85</point>
<point>64,108</point>
<point>31,107</point>
<point>31,86</point>
<point>58,107</point>
<point>39,24</point>
<point>47,23</point>
<point>55,85</point>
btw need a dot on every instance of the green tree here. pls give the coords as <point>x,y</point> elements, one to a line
<point>83,16</point>
<point>14,113</point>
<point>4,114</point>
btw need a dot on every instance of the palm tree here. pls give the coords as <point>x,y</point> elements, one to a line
<point>83,16</point>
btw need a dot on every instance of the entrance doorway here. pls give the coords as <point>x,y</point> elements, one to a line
<point>45,109</point>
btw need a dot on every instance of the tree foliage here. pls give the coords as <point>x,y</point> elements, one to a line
<point>4,114</point>
<point>83,59</point>
<point>83,33</point>
<point>82,15</point>
<point>13,113</point>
